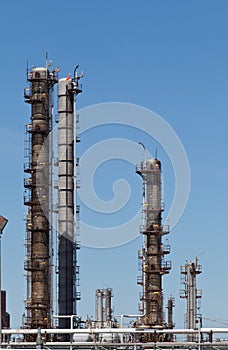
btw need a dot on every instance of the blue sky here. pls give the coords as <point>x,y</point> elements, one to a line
<point>168,56</point>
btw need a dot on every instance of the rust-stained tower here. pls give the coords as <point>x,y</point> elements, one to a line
<point>108,307</point>
<point>152,254</point>
<point>68,270</point>
<point>37,188</point>
<point>170,306</point>
<point>4,314</point>
<point>190,271</point>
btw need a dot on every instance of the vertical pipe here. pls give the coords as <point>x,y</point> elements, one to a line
<point>0,288</point>
<point>27,262</point>
<point>51,194</point>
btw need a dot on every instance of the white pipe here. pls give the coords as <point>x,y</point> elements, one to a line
<point>112,330</point>
<point>51,344</point>
<point>97,331</point>
<point>214,330</point>
<point>89,343</point>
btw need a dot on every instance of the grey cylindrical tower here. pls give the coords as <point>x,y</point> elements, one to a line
<point>67,268</point>
<point>99,308</point>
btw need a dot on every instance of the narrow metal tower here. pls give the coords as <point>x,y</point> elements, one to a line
<point>153,266</point>
<point>170,306</point>
<point>189,272</point>
<point>103,311</point>
<point>36,183</point>
<point>68,270</point>
<point>108,307</point>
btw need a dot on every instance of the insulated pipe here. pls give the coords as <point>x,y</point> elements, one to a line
<point>67,245</point>
<point>113,330</point>
<point>66,232</point>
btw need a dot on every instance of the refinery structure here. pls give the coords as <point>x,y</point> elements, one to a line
<point>51,182</point>
<point>152,254</point>
<point>39,197</point>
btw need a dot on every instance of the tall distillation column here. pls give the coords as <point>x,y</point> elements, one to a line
<point>67,244</point>
<point>108,307</point>
<point>36,182</point>
<point>189,271</point>
<point>152,254</point>
<point>99,308</point>
<point>170,307</point>
<point>103,312</point>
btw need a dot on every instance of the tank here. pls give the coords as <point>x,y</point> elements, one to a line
<point>81,338</point>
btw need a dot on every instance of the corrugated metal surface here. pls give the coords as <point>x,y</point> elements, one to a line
<point>66,205</point>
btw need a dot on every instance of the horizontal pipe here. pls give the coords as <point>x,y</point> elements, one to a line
<point>116,345</point>
<point>114,330</point>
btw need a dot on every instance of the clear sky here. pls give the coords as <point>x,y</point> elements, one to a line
<point>168,56</point>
